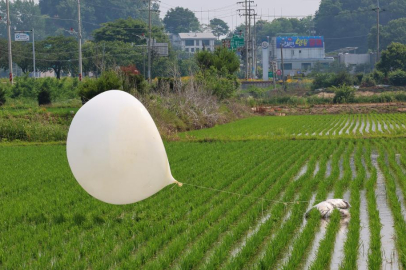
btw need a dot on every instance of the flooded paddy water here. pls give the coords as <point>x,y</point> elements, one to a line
<point>389,253</point>
<point>338,253</point>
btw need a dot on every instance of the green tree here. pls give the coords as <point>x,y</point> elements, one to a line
<point>128,30</point>
<point>283,25</point>
<point>221,59</point>
<point>22,55</point>
<point>107,55</point>
<point>24,15</point>
<point>3,54</point>
<point>180,20</point>
<point>393,58</point>
<point>94,13</point>
<point>348,21</point>
<point>337,19</point>
<point>397,77</point>
<point>219,27</point>
<point>394,31</point>
<point>123,43</point>
<point>58,53</point>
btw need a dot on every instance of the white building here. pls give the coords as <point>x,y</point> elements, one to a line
<point>300,54</point>
<point>357,59</point>
<point>194,42</point>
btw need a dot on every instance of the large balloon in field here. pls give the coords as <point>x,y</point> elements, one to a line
<point>115,151</point>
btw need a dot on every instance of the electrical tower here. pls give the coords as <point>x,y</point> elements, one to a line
<point>248,13</point>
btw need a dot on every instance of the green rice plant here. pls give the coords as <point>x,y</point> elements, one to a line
<point>285,235</point>
<point>251,247</point>
<point>351,125</point>
<point>154,244</point>
<point>391,174</point>
<point>309,226</point>
<point>13,209</point>
<point>352,243</point>
<point>323,258</point>
<point>302,244</point>
<point>339,126</point>
<point>224,207</point>
<point>326,247</point>
<point>375,254</point>
<point>188,260</point>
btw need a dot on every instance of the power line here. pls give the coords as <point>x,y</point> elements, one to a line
<point>347,37</point>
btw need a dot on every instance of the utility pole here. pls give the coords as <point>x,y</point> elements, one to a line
<point>247,35</point>
<point>249,40</point>
<point>10,60</point>
<point>80,42</point>
<point>254,45</point>
<point>378,32</point>
<point>33,53</point>
<point>282,65</point>
<point>149,41</point>
<point>246,41</point>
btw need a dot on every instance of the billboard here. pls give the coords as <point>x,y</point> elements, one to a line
<point>21,37</point>
<point>300,42</point>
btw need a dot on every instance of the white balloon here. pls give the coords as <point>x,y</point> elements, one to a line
<point>115,151</point>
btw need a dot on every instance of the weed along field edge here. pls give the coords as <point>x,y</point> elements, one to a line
<point>247,187</point>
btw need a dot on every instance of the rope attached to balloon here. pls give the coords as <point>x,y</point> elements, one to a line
<point>243,195</point>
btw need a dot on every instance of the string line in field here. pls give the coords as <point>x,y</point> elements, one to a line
<point>243,195</point>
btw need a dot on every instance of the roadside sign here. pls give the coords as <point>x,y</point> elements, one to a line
<point>279,72</point>
<point>21,37</point>
<point>265,45</point>
<point>236,42</point>
<point>270,74</point>
<point>161,49</point>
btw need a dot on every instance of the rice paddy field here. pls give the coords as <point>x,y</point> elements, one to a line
<point>247,186</point>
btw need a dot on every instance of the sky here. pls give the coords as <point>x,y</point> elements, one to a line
<point>227,9</point>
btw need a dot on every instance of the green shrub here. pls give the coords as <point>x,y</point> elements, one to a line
<point>400,97</point>
<point>397,77</point>
<point>90,88</point>
<point>132,81</point>
<point>322,80</point>
<point>257,92</point>
<point>344,94</point>
<point>359,77</point>
<point>224,87</point>
<point>59,90</point>
<point>325,80</point>
<point>342,78</point>
<point>219,83</point>
<point>2,95</point>
<point>165,84</point>
<point>44,97</point>
<point>24,87</point>
<point>368,81</point>
<point>109,80</point>
<point>378,76</point>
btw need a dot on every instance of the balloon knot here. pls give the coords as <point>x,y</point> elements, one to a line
<point>178,183</point>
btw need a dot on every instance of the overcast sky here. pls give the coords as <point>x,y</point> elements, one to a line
<point>227,9</point>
